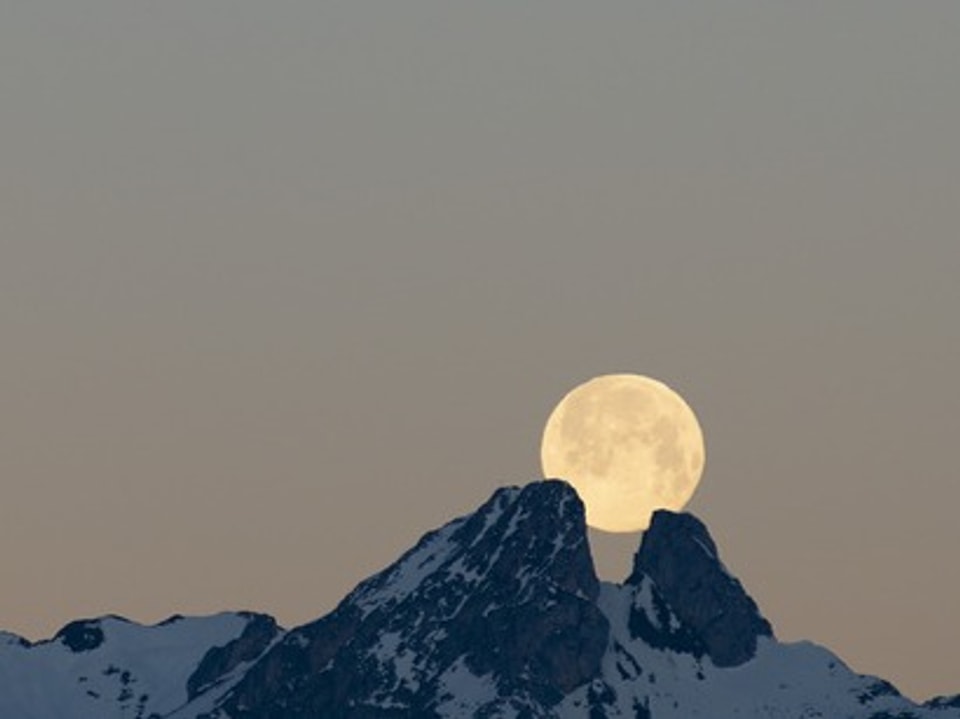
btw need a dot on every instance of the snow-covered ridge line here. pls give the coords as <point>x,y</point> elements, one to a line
<point>113,667</point>
<point>111,618</point>
<point>496,614</point>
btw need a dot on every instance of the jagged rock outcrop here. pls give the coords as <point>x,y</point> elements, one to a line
<point>950,702</point>
<point>507,594</point>
<point>219,662</point>
<point>497,614</point>
<point>82,635</point>
<point>679,555</point>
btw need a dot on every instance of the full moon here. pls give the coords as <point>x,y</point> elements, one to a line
<point>629,445</point>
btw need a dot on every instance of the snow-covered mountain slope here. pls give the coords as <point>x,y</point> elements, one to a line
<point>781,680</point>
<point>499,606</point>
<point>110,667</point>
<point>500,614</point>
<point>496,614</point>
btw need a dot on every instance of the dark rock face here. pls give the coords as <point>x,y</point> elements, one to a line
<point>496,614</point>
<point>950,702</point>
<point>508,593</point>
<point>82,635</point>
<point>679,555</point>
<point>655,626</point>
<point>260,631</point>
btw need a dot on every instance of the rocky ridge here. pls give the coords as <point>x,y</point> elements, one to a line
<point>496,614</point>
<point>681,560</point>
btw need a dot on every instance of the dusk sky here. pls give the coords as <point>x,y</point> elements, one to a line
<point>285,285</point>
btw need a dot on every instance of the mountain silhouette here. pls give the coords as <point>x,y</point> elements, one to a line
<point>496,614</point>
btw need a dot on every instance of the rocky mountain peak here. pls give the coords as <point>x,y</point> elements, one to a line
<point>496,614</point>
<point>503,600</point>
<point>521,533</point>
<point>678,554</point>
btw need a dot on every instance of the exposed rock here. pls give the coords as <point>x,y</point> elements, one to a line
<point>506,593</point>
<point>652,621</point>
<point>948,702</point>
<point>496,615</point>
<point>679,555</point>
<point>83,635</point>
<point>218,662</point>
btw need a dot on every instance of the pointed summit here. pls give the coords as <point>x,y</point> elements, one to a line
<point>497,604</point>
<point>496,614</point>
<point>679,555</point>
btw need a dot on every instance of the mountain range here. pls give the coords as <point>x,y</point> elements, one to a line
<point>498,613</point>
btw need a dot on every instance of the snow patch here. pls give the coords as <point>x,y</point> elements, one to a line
<point>136,671</point>
<point>461,692</point>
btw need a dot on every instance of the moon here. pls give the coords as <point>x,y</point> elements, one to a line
<point>629,445</point>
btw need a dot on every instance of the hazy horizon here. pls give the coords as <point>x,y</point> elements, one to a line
<point>285,286</point>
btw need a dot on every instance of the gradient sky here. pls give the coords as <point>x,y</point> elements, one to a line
<point>285,285</point>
